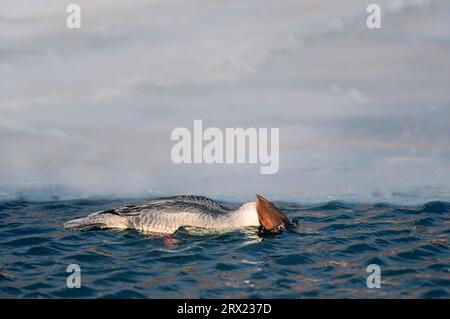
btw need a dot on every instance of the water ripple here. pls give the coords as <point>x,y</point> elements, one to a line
<point>325,257</point>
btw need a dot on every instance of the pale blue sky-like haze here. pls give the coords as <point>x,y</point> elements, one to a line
<point>364,115</point>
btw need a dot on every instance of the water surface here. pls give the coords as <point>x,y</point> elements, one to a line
<point>326,257</point>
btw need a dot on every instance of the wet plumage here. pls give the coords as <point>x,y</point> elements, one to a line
<point>167,214</point>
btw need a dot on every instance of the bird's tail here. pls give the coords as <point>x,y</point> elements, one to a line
<point>100,220</point>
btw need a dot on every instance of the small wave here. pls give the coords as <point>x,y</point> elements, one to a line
<point>333,205</point>
<point>438,207</point>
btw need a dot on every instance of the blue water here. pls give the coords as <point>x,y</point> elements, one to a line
<point>326,257</point>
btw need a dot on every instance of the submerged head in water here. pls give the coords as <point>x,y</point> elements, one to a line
<point>269,216</point>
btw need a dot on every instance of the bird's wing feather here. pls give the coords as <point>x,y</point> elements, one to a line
<point>173,204</point>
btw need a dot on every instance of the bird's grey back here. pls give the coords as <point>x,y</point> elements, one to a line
<point>173,204</point>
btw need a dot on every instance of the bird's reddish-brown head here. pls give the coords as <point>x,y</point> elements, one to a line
<point>270,217</point>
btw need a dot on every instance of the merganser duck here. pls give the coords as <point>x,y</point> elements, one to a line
<point>166,215</point>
